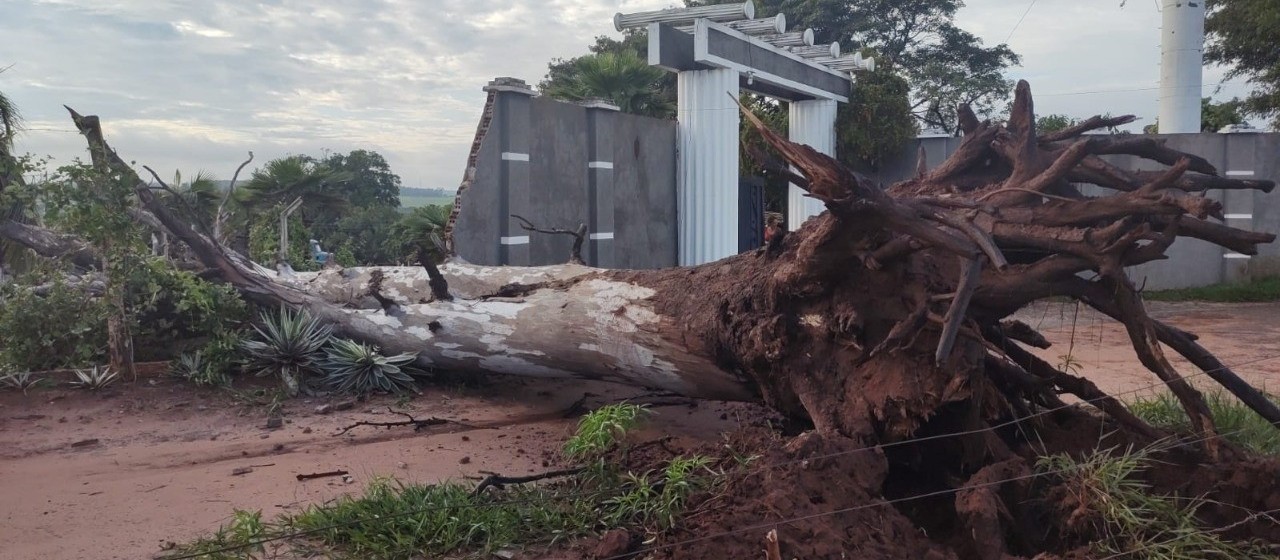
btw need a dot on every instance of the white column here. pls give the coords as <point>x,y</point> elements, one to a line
<point>812,123</point>
<point>1181,60</point>
<point>707,185</point>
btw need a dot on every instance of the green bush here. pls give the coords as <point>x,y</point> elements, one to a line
<point>174,307</point>
<point>64,328</point>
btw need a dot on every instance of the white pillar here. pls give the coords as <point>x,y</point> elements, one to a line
<point>707,184</point>
<point>812,123</point>
<point>1181,60</point>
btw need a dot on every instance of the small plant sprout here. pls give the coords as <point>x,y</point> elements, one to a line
<point>94,378</point>
<point>604,428</point>
<point>21,381</point>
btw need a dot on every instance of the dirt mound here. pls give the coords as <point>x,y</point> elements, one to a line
<point>829,498</point>
<point>805,479</point>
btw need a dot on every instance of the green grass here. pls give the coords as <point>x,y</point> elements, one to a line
<point>1266,289</point>
<point>1241,425</point>
<point>1130,521</point>
<point>415,201</point>
<point>395,521</point>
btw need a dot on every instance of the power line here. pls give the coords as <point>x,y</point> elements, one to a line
<point>1024,16</point>
<point>1126,90</point>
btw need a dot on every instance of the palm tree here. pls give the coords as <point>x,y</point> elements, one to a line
<point>11,254</point>
<point>199,195</point>
<point>622,78</point>
<point>282,180</point>
<point>416,228</point>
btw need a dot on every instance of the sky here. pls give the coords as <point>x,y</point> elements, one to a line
<point>195,84</point>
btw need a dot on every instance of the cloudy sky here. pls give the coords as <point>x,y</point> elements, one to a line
<point>195,84</point>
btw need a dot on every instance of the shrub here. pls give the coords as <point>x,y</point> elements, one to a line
<point>194,368</point>
<point>288,346</point>
<point>172,306</point>
<point>64,327</point>
<point>352,367</point>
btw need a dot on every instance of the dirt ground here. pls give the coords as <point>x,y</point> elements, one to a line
<point>117,475</point>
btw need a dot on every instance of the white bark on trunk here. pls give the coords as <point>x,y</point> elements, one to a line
<point>595,328</point>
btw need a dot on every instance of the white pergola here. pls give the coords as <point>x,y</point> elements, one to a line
<point>718,52</point>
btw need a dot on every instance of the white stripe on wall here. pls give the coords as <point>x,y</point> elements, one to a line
<point>518,240</point>
<point>514,156</point>
<point>1238,216</point>
<point>600,165</point>
<point>605,235</point>
<point>1235,256</point>
<point>1240,173</point>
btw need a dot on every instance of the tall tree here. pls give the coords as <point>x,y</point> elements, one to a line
<point>916,39</point>
<point>1243,35</point>
<point>369,180</point>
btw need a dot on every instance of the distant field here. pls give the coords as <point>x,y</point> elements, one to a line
<point>414,201</point>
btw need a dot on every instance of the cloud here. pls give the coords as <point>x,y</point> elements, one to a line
<point>193,85</point>
<point>189,84</point>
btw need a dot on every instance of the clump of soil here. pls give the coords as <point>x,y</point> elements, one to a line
<point>829,498</point>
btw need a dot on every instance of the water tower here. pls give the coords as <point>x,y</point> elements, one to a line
<point>1181,63</point>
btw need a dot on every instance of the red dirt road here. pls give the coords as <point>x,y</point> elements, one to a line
<point>161,468</point>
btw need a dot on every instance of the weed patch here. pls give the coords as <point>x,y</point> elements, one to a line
<point>1109,500</point>
<point>1241,425</point>
<point>1266,289</point>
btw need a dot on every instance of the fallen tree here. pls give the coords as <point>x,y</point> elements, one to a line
<point>884,315</point>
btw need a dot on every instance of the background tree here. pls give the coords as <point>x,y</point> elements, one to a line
<point>1242,35</point>
<point>618,73</point>
<point>1213,116</point>
<point>11,169</point>
<point>1216,116</point>
<point>877,122</point>
<point>282,180</point>
<point>621,77</point>
<point>1054,122</point>
<point>368,178</point>
<point>915,39</point>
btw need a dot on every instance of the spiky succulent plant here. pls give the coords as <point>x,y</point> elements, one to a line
<point>288,345</point>
<point>359,368</point>
<point>94,378</point>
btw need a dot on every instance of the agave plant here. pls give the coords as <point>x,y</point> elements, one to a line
<point>358,368</point>
<point>94,378</point>
<point>194,368</point>
<point>20,380</point>
<point>288,346</point>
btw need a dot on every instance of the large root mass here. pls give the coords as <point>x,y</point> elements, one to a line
<point>883,320</point>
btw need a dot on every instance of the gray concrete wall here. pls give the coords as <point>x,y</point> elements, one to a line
<point>560,165</point>
<point>1191,262</point>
